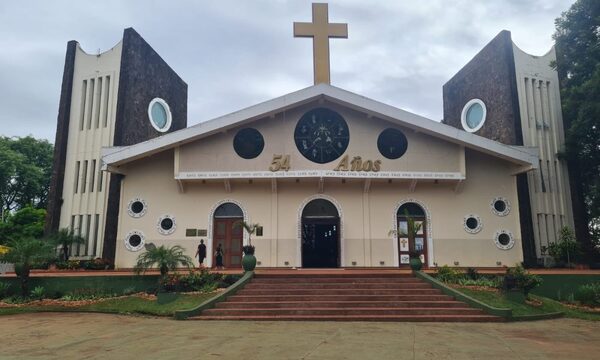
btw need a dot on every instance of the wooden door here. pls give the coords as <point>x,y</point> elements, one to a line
<point>408,243</point>
<point>230,236</point>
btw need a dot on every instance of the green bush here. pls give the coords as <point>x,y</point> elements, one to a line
<point>447,274</point>
<point>87,294</point>
<point>472,273</point>
<point>588,294</point>
<point>518,278</point>
<point>566,249</point>
<point>4,289</point>
<point>38,293</point>
<point>493,282</point>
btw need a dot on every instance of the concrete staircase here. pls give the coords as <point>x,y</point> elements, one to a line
<point>342,297</point>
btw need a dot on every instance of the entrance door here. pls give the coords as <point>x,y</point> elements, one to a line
<point>320,235</point>
<point>414,241</point>
<point>229,234</point>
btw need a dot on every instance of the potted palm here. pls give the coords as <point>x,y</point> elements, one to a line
<point>165,259</point>
<point>412,229</point>
<point>25,252</point>
<point>249,260</point>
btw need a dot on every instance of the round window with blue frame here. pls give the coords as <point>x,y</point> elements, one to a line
<point>473,115</point>
<point>160,115</point>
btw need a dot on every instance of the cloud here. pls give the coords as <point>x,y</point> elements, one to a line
<point>234,54</point>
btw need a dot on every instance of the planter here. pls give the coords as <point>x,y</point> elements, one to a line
<point>249,262</point>
<point>416,264</point>
<point>166,297</point>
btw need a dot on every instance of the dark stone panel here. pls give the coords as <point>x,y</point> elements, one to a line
<point>526,221</point>
<point>144,75</point>
<point>489,76</point>
<point>60,143</point>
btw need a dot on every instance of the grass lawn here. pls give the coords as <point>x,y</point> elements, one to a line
<point>548,305</point>
<point>124,305</point>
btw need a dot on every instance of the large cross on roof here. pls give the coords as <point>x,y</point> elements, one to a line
<point>320,30</point>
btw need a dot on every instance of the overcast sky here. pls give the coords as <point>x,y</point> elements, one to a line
<point>234,54</point>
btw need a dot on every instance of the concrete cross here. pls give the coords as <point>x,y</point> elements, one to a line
<point>320,30</point>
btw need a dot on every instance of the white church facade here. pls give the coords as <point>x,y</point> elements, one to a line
<point>331,177</point>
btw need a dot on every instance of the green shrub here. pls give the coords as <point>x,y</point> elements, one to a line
<point>87,294</point>
<point>518,278</point>
<point>4,288</point>
<point>129,290</point>
<point>447,274</point>
<point>231,279</point>
<point>96,264</point>
<point>482,281</point>
<point>588,294</point>
<point>472,273</point>
<point>566,249</point>
<point>38,293</point>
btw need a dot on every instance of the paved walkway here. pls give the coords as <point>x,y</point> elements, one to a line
<point>99,336</point>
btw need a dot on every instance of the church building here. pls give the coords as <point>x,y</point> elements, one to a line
<point>332,178</point>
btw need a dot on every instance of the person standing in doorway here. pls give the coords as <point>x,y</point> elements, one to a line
<point>201,253</point>
<point>219,257</point>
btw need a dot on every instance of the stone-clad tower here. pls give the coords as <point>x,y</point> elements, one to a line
<point>512,97</point>
<point>123,96</point>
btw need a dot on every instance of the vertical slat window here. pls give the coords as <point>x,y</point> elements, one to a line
<point>77,164</point>
<point>98,103</point>
<point>92,175</point>
<point>87,233</point>
<point>82,110</point>
<point>74,231</point>
<point>90,101</point>
<point>84,176</point>
<point>100,176</point>
<point>106,97</point>
<point>80,233</point>
<point>96,235</point>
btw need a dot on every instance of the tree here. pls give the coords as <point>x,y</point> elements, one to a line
<point>25,252</point>
<point>26,222</point>
<point>65,239</point>
<point>25,172</point>
<point>578,64</point>
<point>165,258</point>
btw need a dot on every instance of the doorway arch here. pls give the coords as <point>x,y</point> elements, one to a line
<point>420,212</point>
<point>228,212</point>
<point>320,233</point>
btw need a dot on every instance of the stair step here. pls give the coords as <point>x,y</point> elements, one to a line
<point>338,291</point>
<point>318,285</point>
<point>345,297</point>
<point>415,318</point>
<point>352,280</point>
<point>340,304</point>
<point>333,275</point>
<point>343,311</point>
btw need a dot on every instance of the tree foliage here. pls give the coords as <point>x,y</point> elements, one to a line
<point>24,253</point>
<point>65,239</point>
<point>25,171</point>
<point>164,258</point>
<point>578,64</point>
<point>26,222</point>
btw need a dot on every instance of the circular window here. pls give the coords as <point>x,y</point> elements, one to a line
<point>392,143</point>
<point>137,208</point>
<point>159,114</point>
<point>473,115</point>
<point>321,135</point>
<point>500,206</point>
<point>248,143</point>
<point>504,240</point>
<point>134,241</point>
<point>472,224</point>
<point>166,224</point>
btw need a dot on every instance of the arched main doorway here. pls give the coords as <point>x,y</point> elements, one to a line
<point>414,241</point>
<point>320,235</point>
<point>229,235</point>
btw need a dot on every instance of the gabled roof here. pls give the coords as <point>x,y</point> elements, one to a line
<point>116,156</point>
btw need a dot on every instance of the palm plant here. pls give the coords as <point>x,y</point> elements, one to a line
<point>249,228</point>
<point>165,258</point>
<point>412,229</point>
<point>25,252</point>
<point>66,238</point>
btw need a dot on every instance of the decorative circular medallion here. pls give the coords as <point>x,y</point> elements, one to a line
<point>160,115</point>
<point>137,208</point>
<point>504,239</point>
<point>166,224</point>
<point>248,143</point>
<point>500,206</point>
<point>134,241</point>
<point>473,115</point>
<point>472,224</point>
<point>322,135</point>
<point>392,143</point>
